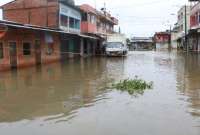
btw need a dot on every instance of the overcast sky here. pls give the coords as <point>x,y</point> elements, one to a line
<point>138,17</point>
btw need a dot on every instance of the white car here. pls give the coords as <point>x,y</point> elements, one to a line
<point>116,49</point>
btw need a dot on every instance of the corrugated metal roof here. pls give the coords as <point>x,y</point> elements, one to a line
<point>33,27</point>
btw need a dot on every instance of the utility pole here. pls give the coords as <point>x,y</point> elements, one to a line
<point>186,44</point>
<point>170,38</point>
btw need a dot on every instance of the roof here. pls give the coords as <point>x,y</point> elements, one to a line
<point>87,8</point>
<point>141,39</point>
<point>33,27</point>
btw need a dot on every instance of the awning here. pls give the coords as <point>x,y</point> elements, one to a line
<point>86,36</point>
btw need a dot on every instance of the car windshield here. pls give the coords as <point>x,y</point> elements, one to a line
<point>114,45</point>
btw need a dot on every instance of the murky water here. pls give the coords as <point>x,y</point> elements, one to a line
<point>71,99</point>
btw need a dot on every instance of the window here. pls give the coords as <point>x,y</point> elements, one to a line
<point>26,48</point>
<point>64,21</point>
<point>92,19</point>
<point>1,50</point>
<point>84,17</point>
<point>77,24</point>
<point>71,22</point>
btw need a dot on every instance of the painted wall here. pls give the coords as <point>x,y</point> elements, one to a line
<point>20,36</point>
<point>69,12</point>
<point>35,12</point>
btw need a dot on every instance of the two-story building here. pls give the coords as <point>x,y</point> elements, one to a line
<point>40,31</point>
<point>183,25</point>
<point>97,23</point>
<point>194,33</point>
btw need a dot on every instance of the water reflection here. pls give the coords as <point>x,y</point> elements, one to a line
<point>55,89</point>
<point>70,98</point>
<point>188,77</point>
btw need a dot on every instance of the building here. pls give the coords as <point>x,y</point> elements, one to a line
<point>97,23</point>
<point>183,25</point>
<point>37,32</point>
<point>174,37</point>
<point>58,14</point>
<point>194,35</point>
<point>141,43</point>
<point>24,45</point>
<point>162,40</point>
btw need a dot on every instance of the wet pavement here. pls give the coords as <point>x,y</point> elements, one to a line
<point>71,98</point>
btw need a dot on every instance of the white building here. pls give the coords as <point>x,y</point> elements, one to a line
<point>183,25</point>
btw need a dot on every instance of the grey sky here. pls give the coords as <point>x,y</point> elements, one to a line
<point>138,17</point>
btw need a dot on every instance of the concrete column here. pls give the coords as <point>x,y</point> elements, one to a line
<point>94,47</point>
<point>81,47</point>
<point>88,48</point>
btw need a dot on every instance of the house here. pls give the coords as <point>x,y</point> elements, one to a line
<point>141,43</point>
<point>162,40</point>
<point>194,35</point>
<point>41,31</point>
<point>183,25</point>
<point>97,23</point>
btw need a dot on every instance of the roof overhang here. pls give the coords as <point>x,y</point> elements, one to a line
<point>37,28</point>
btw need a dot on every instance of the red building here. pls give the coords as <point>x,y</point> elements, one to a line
<point>162,37</point>
<point>41,31</point>
<point>96,22</point>
<point>162,40</point>
<point>89,19</point>
<point>36,12</point>
<point>24,45</point>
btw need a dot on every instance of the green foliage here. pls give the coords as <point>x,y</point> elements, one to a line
<point>133,86</point>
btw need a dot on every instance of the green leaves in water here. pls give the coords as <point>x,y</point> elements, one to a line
<point>133,86</point>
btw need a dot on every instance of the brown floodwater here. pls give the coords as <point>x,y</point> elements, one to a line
<point>71,98</point>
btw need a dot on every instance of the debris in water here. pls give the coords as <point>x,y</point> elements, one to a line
<point>133,86</point>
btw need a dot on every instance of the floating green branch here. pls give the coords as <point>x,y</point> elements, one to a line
<point>133,86</point>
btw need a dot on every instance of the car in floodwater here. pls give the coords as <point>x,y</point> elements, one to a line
<point>116,49</point>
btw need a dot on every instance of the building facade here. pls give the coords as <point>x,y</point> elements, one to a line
<point>162,40</point>
<point>97,22</point>
<point>42,31</point>
<point>194,35</point>
<point>182,26</point>
<point>141,43</point>
<point>23,46</point>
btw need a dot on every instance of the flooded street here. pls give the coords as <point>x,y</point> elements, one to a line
<point>71,98</point>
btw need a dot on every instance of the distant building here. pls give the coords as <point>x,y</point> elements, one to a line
<point>174,38</point>
<point>162,40</point>
<point>183,25</point>
<point>194,36</point>
<point>141,43</point>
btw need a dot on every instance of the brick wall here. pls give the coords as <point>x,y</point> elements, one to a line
<point>20,36</point>
<point>35,12</point>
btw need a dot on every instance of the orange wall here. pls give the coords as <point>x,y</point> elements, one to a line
<point>20,36</point>
<point>87,27</point>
